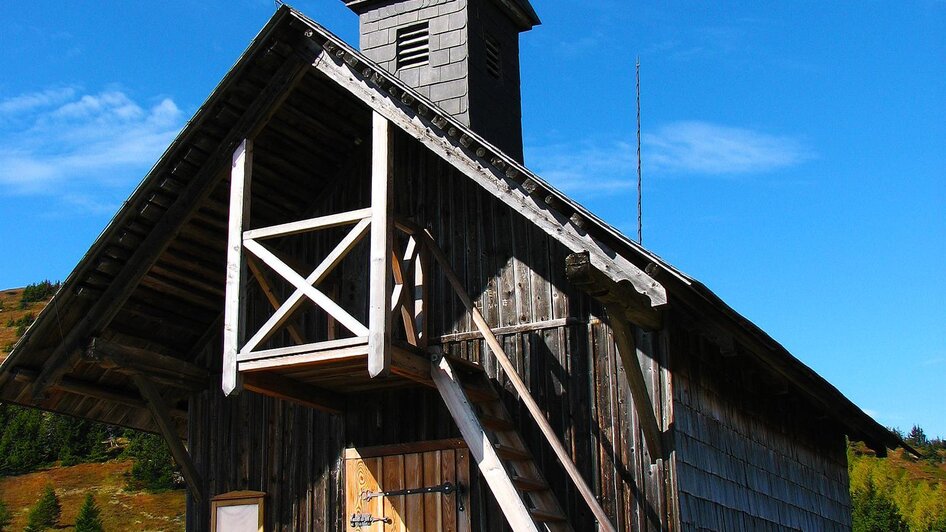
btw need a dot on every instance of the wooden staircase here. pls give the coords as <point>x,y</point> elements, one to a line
<point>503,458</point>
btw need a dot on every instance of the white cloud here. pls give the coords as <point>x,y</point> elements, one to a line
<point>71,145</point>
<point>27,102</point>
<point>695,147</point>
<point>586,169</point>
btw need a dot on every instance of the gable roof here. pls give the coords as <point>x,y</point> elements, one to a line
<point>179,202</point>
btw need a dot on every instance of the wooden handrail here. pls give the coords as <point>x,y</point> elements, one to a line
<point>537,414</point>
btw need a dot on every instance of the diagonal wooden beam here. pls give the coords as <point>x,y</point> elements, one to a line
<point>292,303</point>
<point>491,467</point>
<point>401,290</point>
<point>267,288</point>
<point>316,295</point>
<point>643,406</point>
<point>146,254</point>
<point>162,419</point>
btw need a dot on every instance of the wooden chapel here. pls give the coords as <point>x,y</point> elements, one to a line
<point>340,293</point>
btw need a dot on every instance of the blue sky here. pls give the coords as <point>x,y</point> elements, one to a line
<point>794,154</point>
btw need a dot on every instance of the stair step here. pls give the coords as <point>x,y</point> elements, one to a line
<point>480,394</point>
<point>506,452</point>
<point>496,423</point>
<point>466,366</point>
<point>546,517</point>
<point>529,484</point>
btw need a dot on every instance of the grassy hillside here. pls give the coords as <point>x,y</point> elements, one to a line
<point>14,316</point>
<point>121,510</point>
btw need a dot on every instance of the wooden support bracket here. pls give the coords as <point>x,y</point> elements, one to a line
<point>618,296</point>
<point>162,419</point>
<point>643,406</point>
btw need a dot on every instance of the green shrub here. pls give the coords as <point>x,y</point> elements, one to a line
<point>5,517</point>
<point>45,514</point>
<point>89,519</point>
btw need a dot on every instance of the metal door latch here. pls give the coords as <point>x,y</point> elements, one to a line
<point>447,488</point>
<point>363,520</point>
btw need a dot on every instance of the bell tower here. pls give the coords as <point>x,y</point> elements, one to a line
<point>462,54</point>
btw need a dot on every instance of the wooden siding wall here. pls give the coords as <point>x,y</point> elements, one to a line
<point>516,275</point>
<point>748,458</point>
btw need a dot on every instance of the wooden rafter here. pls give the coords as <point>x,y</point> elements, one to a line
<point>110,302</point>
<point>94,390</point>
<point>161,368</point>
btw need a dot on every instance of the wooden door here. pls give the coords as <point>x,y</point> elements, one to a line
<point>405,466</point>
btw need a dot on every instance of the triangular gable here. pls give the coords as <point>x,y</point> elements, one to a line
<point>621,262</point>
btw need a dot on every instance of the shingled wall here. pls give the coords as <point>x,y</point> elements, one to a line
<point>747,457</point>
<point>444,80</point>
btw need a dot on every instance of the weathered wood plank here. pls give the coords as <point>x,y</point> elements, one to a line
<point>312,224</point>
<point>379,313</point>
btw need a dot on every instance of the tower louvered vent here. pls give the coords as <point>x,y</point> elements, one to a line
<point>413,45</point>
<point>494,62</point>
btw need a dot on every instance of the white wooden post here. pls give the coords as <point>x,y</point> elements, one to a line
<point>241,174</point>
<point>379,286</point>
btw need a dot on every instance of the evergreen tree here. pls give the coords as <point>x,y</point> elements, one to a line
<point>45,514</point>
<point>21,447</point>
<point>917,438</point>
<point>874,512</point>
<point>89,519</point>
<point>153,468</point>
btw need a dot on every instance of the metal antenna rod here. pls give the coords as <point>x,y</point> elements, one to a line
<point>640,192</point>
